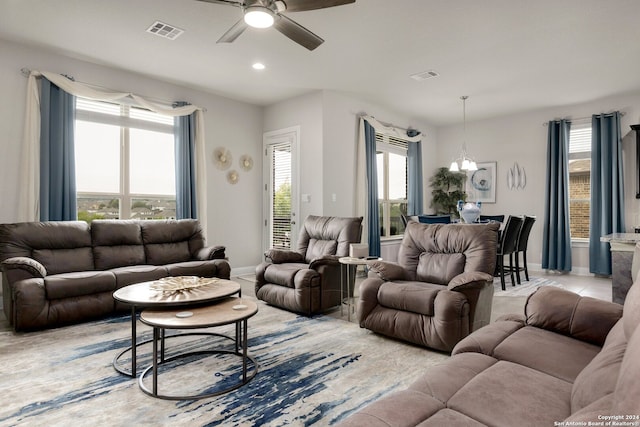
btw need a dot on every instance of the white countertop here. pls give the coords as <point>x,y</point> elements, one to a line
<point>630,238</point>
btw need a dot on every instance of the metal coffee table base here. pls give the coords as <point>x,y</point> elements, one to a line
<point>159,359</point>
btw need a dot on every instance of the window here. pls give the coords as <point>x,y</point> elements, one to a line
<point>125,162</point>
<point>391,159</point>
<point>579,180</point>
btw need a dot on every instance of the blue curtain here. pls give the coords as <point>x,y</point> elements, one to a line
<point>57,155</point>
<point>607,189</point>
<point>372,189</point>
<point>556,239</point>
<point>414,178</point>
<point>185,150</point>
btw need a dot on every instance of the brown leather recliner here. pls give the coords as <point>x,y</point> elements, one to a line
<point>308,280</point>
<point>440,289</point>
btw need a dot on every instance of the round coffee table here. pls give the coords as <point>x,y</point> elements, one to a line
<point>220,313</point>
<point>150,295</point>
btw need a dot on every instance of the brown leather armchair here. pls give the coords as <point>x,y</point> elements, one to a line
<point>308,280</point>
<point>440,289</point>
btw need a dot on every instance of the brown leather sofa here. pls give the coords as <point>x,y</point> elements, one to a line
<point>440,289</point>
<point>569,361</point>
<point>307,281</point>
<point>56,273</point>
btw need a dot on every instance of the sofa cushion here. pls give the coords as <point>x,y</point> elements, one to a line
<point>69,285</point>
<point>443,381</point>
<point>65,260</point>
<point>317,248</point>
<point>117,243</point>
<point>60,246</point>
<point>416,297</point>
<point>632,311</point>
<point>599,377</point>
<point>167,253</point>
<point>130,275</point>
<point>108,232</point>
<point>487,338</point>
<point>554,354</point>
<point>626,401</point>
<point>439,268</point>
<point>568,313</point>
<point>207,268</point>
<point>171,231</point>
<point>283,274</point>
<point>409,406</point>
<point>107,257</point>
<point>507,394</point>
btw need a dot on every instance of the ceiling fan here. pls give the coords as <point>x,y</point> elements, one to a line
<point>267,13</point>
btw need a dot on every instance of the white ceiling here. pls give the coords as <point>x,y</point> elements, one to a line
<point>508,55</point>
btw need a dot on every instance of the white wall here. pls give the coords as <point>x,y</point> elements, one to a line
<point>234,211</point>
<point>522,138</point>
<point>304,111</point>
<point>329,133</point>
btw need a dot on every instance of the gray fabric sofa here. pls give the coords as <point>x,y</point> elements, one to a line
<point>569,360</point>
<point>56,273</point>
<point>440,289</point>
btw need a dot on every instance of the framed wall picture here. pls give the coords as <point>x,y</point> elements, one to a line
<point>481,183</point>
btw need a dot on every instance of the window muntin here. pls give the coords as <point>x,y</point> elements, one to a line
<point>125,162</point>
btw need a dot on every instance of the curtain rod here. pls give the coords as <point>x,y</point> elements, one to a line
<point>581,119</point>
<point>389,125</point>
<point>26,72</point>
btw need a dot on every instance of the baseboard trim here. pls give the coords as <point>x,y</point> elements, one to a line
<point>241,271</point>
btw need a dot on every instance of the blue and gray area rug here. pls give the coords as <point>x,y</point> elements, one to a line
<point>312,371</point>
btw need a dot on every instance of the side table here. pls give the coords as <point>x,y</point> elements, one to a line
<point>349,267</point>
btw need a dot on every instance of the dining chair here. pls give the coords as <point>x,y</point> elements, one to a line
<point>508,245</point>
<point>496,218</point>
<point>434,219</point>
<point>523,240</point>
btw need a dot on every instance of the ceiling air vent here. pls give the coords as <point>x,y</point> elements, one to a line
<point>424,75</point>
<point>164,30</point>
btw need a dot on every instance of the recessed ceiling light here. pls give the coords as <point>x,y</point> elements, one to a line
<point>258,66</point>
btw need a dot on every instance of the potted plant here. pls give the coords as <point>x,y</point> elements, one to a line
<point>447,189</point>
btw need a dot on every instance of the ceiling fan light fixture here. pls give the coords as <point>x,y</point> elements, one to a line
<point>258,17</point>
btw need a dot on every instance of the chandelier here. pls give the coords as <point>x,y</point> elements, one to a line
<point>464,162</point>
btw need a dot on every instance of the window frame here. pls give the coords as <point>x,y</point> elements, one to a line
<point>125,122</point>
<point>386,144</point>
<point>580,155</point>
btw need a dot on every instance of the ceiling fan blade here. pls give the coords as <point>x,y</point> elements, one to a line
<point>233,32</point>
<point>297,32</point>
<point>227,2</point>
<point>302,5</point>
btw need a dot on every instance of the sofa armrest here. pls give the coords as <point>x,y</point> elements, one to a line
<point>368,298</point>
<point>29,265</point>
<point>469,279</point>
<point>325,260</point>
<point>584,318</point>
<point>280,256</point>
<point>387,270</point>
<point>211,252</point>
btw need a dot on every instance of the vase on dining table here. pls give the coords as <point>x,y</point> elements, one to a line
<point>469,212</point>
